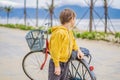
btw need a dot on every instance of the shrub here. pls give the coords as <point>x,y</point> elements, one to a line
<point>74,33</point>
<point>41,27</point>
<point>18,26</point>
<point>117,35</point>
<point>23,27</point>
<point>91,35</point>
<point>1,25</point>
<point>84,35</point>
<point>78,35</point>
<point>10,25</point>
<point>49,31</point>
<point>100,35</point>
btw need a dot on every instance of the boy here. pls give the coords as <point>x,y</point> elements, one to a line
<point>61,45</point>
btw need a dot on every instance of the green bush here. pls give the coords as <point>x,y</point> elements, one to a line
<point>23,27</point>
<point>49,31</point>
<point>84,35</point>
<point>1,25</point>
<point>18,26</point>
<point>91,35</point>
<point>78,35</point>
<point>10,25</point>
<point>100,35</point>
<point>117,35</point>
<point>41,27</point>
<point>74,33</point>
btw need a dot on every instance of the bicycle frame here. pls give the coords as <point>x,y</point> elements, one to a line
<point>38,36</point>
<point>46,49</point>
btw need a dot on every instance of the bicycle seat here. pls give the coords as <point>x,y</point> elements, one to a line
<point>85,51</point>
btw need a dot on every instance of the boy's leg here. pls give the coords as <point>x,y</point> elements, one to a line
<point>51,75</point>
<point>64,71</point>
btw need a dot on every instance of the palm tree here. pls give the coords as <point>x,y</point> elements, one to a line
<point>8,10</point>
<point>37,9</point>
<point>50,8</point>
<point>106,14</point>
<point>91,15</point>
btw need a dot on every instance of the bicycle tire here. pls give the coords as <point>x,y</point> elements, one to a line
<point>32,65</point>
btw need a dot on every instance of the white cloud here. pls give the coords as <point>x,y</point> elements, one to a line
<point>9,3</point>
<point>44,3</point>
<point>73,2</point>
<point>99,3</point>
<point>115,4</point>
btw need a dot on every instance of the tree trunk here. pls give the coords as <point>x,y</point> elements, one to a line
<point>37,13</point>
<point>51,19</point>
<point>7,17</point>
<point>91,16</point>
<point>25,12</point>
<point>106,15</point>
<point>51,12</point>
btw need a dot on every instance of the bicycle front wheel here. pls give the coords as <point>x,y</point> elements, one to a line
<point>31,66</point>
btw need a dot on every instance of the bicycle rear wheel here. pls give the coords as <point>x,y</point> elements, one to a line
<point>79,70</point>
<point>31,66</point>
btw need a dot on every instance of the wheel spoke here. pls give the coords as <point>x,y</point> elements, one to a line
<point>79,70</point>
<point>32,65</point>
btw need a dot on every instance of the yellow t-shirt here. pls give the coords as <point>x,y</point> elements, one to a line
<point>61,44</point>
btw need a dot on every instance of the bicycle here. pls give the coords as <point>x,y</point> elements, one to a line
<point>33,65</point>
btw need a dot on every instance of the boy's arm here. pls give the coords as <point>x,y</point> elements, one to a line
<point>80,55</point>
<point>75,46</point>
<point>56,43</point>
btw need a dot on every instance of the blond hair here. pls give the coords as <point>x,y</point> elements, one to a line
<point>66,15</point>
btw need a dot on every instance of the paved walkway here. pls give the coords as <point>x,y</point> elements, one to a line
<point>13,47</point>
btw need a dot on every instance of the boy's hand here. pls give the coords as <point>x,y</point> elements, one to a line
<point>57,71</point>
<point>80,55</point>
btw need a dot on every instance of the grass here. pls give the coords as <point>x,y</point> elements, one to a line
<point>98,36</point>
<point>18,26</point>
<point>117,37</point>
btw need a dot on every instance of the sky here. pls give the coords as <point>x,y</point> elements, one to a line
<point>43,3</point>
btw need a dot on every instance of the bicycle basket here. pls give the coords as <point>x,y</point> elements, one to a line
<point>35,40</point>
